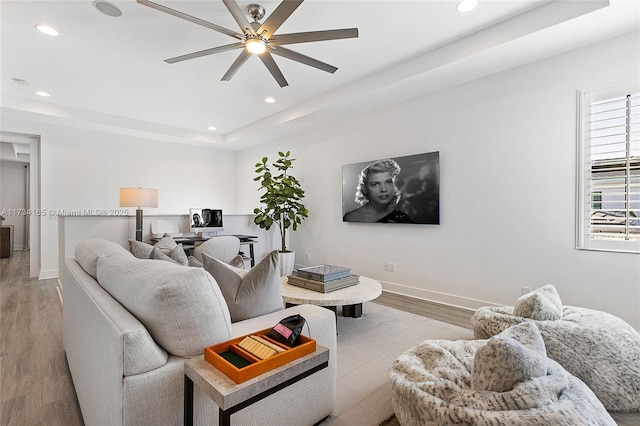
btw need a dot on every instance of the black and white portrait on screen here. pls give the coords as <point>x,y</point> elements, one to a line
<point>393,190</point>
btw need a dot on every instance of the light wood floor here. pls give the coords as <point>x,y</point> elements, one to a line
<point>35,384</point>
<point>36,387</point>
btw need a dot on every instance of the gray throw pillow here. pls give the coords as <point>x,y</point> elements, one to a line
<point>177,255</point>
<point>248,293</point>
<point>192,261</point>
<point>542,304</point>
<point>140,250</point>
<point>515,355</point>
<point>166,245</point>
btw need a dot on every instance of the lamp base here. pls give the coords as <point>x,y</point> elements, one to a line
<point>138,224</point>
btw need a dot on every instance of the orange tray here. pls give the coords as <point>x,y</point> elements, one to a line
<point>257,366</point>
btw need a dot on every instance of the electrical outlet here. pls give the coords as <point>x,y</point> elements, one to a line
<point>526,290</point>
<point>389,266</point>
<point>307,257</point>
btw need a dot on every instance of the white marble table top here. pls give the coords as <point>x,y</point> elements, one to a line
<point>226,394</point>
<point>367,289</point>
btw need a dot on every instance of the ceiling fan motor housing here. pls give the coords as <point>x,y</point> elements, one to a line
<point>256,11</point>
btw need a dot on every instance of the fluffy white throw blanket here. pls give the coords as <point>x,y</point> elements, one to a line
<point>600,349</point>
<point>432,386</point>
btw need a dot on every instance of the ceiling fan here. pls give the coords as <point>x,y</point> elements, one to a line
<point>259,39</point>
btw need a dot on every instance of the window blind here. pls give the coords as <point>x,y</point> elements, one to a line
<point>610,205</point>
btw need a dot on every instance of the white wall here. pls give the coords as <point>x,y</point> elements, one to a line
<point>83,169</point>
<point>13,182</point>
<point>507,160</point>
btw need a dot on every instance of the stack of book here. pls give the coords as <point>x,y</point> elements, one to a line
<point>323,278</point>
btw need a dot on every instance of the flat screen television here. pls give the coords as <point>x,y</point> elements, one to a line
<point>207,222</point>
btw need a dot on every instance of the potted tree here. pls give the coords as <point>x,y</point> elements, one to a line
<point>282,203</point>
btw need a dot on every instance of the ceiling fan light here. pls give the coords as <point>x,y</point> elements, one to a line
<point>255,46</point>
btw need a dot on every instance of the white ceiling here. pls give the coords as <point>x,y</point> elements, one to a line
<point>108,73</point>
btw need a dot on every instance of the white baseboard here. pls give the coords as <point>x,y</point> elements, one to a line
<point>59,290</point>
<point>435,296</point>
<point>48,274</point>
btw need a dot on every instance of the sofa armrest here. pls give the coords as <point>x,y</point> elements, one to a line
<point>104,343</point>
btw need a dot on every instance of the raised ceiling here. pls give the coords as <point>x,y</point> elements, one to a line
<point>107,73</point>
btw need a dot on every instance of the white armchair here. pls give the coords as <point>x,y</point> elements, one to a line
<point>223,248</point>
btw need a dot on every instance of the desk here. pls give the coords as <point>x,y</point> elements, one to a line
<point>231,397</point>
<point>190,242</point>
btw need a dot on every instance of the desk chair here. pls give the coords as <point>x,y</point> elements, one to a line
<point>223,248</point>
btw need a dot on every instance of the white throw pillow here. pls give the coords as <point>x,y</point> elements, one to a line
<point>248,293</point>
<point>515,355</point>
<point>542,304</point>
<point>182,308</point>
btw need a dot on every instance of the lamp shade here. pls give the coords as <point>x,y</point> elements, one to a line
<point>138,197</point>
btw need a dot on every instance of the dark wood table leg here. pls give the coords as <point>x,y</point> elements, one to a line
<point>224,418</point>
<point>353,311</point>
<point>188,401</point>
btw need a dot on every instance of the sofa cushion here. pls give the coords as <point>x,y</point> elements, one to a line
<point>515,355</point>
<point>182,308</point>
<point>248,293</point>
<point>88,252</point>
<point>542,304</point>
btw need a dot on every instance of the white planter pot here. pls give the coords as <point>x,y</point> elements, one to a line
<point>287,260</point>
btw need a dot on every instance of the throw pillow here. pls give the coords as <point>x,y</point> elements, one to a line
<point>237,262</point>
<point>140,250</point>
<point>182,308</point>
<point>145,251</point>
<point>515,355</point>
<point>248,293</point>
<point>177,255</point>
<point>192,261</point>
<point>542,304</point>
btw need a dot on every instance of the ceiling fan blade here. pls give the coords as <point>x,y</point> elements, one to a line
<point>190,18</point>
<point>278,16</point>
<point>240,18</point>
<point>280,39</point>
<point>271,65</point>
<point>298,57</point>
<point>241,59</point>
<point>238,45</point>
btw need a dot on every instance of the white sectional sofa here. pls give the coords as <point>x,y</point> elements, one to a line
<point>128,325</point>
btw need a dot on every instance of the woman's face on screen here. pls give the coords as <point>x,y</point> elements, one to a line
<point>380,187</point>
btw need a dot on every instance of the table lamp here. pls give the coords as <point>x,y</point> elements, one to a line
<point>138,198</point>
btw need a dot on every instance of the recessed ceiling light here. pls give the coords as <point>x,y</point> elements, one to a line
<point>42,93</point>
<point>466,5</point>
<point>211,128</point>
<point>48,30</point>
<point>107,8</point>
<point>269,100</point>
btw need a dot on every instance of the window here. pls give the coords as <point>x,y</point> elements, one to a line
<point>609,169</point>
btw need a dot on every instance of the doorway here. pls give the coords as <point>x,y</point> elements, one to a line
<point>19,150</point>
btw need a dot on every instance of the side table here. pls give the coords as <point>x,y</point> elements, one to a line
<point>232,397</point>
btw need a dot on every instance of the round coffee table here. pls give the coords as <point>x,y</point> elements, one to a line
<point>350,298</point>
